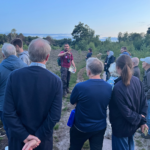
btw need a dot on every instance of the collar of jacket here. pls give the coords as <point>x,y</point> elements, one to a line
<point>148,70</point>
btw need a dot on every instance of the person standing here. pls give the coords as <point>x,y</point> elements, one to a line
<point>136,70</point>
<point>10,63</point>
<point>146,83</point>
<point>23,55</point>
<point>105,64</point>
<point>124,51</point>
<point>91,98</point>
<point>33,101</point>
<point>89,53</point>
<point>110,60</point>
<point>128,106</point>
<point>66,62</point>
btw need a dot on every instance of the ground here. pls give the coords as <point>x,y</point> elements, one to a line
<point>61,130</point>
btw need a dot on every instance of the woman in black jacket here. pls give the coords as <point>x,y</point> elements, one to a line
<point>128,106</point>
<point>110,60</point>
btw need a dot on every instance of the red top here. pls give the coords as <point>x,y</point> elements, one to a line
<point>65,58</point>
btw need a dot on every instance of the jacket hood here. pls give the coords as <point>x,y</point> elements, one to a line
<point>111,53</point>
<point>12,62</point>
<point>24,52</point>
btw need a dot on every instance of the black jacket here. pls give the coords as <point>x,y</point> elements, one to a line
<point>126,106</point>
<point>32,105</point>
<point>105,66</point>
<point>109,62</point>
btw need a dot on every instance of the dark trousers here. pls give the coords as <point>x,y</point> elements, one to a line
<point>2,119</point>
<point>65,77</point>
<point>124,143</point>
<point>77,139</point>
<point>107,75</point>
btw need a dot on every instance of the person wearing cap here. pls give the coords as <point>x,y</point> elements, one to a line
<point>89,53</point>
<point>146,83</point>
<point>136,70</point>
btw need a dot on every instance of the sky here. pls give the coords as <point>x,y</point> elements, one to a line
<point>106,17</point>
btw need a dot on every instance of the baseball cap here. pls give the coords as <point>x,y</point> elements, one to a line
<point>146,59</point>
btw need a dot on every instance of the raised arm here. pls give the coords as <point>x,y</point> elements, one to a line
<point>62,54</point>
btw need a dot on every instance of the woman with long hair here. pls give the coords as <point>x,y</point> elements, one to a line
<point>128,106</point>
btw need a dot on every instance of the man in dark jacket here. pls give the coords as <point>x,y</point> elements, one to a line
<point>146,83</point>
<point>33,101</point>
<point>10,63</point>
<point>136,70</point>
<point>89,53</point>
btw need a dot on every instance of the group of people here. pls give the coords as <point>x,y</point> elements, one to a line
<point>31,98</point>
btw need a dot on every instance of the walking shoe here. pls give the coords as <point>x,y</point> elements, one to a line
<point>2,133</point>
<point>145,137</point>
<point>69,92</point>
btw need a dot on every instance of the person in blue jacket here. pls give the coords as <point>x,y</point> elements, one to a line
<point>11,62</point>
<point>128,106</point>
<point>124,51</point>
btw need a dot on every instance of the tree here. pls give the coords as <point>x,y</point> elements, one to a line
<point>119,37</point>
<point>13,34</point>
<point>148,31</point>
<point>82,32</point>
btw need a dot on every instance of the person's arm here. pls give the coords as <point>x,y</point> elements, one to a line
<point>11,117</point>
<point>148,86</point>
<point>62,54</point>
<point>132,117</point>
<point>74,96</point>
<point>53,116</point>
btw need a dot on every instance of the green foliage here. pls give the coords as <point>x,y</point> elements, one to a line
<point>25,47</point>
<point>56,127</point>
<point>86,145</point>
<point>1,45</point>
<point>92,46</point>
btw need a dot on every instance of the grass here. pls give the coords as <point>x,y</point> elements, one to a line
<point>56,139</point>
<point>86,145</point>
<point>56,127</point>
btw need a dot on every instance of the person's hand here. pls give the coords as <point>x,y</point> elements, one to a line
<point>105,63</point>
<point>143,116</point>
<point>31,137</point>
<point>143,127</point>
<point>75,69</point>
<point>31,145</point>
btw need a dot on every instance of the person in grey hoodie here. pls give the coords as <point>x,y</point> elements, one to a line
<point>10,63</point>
<point>146,83</point>
<point>23,55</point>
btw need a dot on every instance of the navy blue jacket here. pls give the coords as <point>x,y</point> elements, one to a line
<point>6,67</point>
<point>32,105</point>
<point>92,98</point>
<point>126,106</point>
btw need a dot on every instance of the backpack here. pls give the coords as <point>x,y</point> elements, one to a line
<point>59,61</point>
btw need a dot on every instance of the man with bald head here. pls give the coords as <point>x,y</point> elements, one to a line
<point>136,70</point>
<point>33,102</point>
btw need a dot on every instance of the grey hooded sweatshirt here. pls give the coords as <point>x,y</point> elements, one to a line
<point>24,56</point>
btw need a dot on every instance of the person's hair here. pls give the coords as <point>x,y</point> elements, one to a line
<point>95,66</point>
<point>124,62</point>
<point>38,50</point>
<point>90,49</point>
<point>18,42</point>
<point>124,48</point>
<point>135,60</point>
<point>8,49</point>
<point>66,44</point>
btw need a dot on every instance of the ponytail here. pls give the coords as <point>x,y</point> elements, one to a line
<point>124,62</point>
<point>126,75</point>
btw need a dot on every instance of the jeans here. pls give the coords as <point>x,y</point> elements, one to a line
<point>77,139</point>
<point>124,143</point>
<point>2,119</point>
<point>148,116</point>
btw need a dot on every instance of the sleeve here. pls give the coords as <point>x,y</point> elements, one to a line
<point>54,114</point>
<point>148,86</point>
<point>11,117</point>
<point>144,105</point>
<point>132,117</point>
<point>74,96</point>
